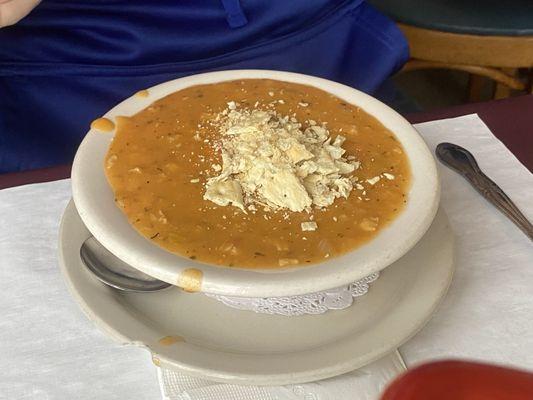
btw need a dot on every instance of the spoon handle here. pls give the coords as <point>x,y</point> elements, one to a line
<point>463,162</point>
<point>493,193</point>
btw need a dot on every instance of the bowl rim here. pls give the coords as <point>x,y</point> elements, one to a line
<point>94,200</point>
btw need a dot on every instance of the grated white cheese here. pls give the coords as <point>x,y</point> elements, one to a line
<point>309,226</point>
<point>269,159</point>
<point>390,177</point>
<point>373,180</point>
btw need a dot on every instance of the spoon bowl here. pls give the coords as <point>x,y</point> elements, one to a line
<point>114,272</point>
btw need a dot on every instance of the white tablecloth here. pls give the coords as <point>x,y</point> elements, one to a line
<point>49,350</point>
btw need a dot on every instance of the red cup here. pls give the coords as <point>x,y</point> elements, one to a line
<point>461,380</point>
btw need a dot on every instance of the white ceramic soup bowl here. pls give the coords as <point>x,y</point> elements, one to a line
<point>95,203</point>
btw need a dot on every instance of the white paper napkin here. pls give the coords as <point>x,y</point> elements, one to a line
<point>50,350</point>
<point>363,384</point>
<point>488,312</point>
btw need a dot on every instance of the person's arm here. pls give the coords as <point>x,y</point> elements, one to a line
<point>12,11</point>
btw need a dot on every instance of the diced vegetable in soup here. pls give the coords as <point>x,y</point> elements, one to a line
<point>256,174</point>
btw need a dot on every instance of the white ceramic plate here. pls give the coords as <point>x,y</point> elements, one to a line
<point>94,201</point>
<point>228,345</point>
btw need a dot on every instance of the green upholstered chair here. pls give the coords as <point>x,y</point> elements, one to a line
<point>486,38</point>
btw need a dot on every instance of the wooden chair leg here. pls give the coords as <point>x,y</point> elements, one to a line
<point>502,91</point>
<point>475,86</point>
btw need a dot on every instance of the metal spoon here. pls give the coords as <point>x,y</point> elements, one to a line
<point>463,162</point>
<point>114,272</point>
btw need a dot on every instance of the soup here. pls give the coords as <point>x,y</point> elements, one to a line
<point>162,159</point>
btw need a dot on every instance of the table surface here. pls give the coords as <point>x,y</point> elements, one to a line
<point>510,120</point>
<point>49,349</point>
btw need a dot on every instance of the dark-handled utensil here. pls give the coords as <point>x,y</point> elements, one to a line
<point>463,162</point>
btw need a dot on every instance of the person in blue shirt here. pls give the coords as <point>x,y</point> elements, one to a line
<point>67,62</point>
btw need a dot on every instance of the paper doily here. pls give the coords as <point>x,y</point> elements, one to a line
<point>312,303</point>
